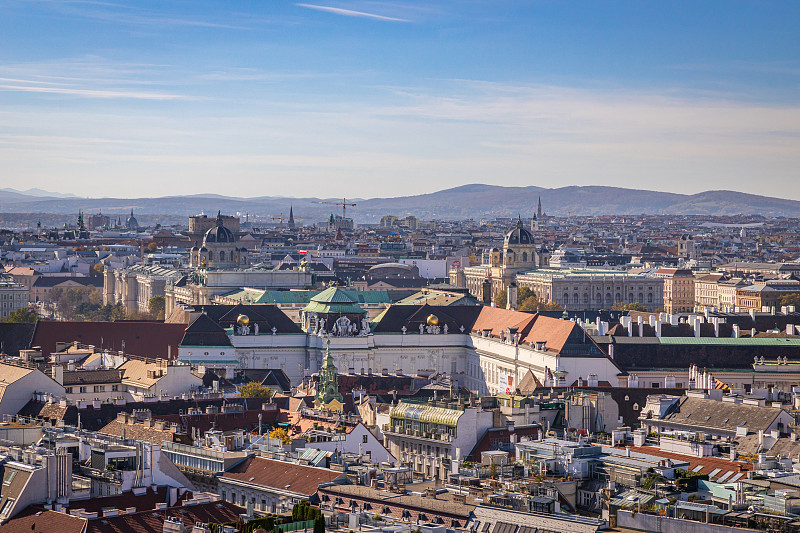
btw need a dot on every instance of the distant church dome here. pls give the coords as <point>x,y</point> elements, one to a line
<point>219,233</point>
<point>519,235</point>
<point>131,222</point>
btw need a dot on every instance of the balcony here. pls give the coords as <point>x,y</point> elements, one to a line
<point>417,434</point>
<point>113,476</point>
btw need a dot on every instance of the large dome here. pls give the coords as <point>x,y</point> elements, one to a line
<point>219,233</point>
<point>519,235</point>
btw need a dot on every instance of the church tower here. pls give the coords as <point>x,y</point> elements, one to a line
<point>328,395</point>
<point>291,217</point>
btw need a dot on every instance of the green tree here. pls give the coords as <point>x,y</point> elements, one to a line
<point>635,306</point>
<point>254,389</point>
<point>319,524</point>
<point>156,307</point>
<point>501,298</point>
<point>524,293</point>
<point>152,247</point>
<point>791,299</point>
<point>21,315</point>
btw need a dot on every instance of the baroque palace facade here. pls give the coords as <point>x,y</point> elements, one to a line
<point>522,264</point>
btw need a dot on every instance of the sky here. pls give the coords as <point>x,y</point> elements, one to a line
<point>388,98</point>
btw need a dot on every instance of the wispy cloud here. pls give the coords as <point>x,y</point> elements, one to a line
<point>352,13</point>
<point>90,93</point>
<point>91,77</point>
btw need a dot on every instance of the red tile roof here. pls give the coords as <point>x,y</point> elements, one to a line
<point>153,521</point>
<point>145,338</point>
<point>707,464</point>
<point>555,332</point>
<point>281,475</point>
<point>44,522</point>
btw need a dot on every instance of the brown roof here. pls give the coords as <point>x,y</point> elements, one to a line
<point>701,465</point>
<point>153,521</point>
<point>556,333</point>
<point>45,522</point>
<point>716,415</point>
<point>138,431</point>
<point>126,500</point>
<point>144,338</point>
<point>281,475</point>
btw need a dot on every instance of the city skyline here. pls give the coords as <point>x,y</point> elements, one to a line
<point>380,99</point>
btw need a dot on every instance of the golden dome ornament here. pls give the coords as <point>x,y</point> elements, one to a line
<point>432,320</point>
<point>243,320</point>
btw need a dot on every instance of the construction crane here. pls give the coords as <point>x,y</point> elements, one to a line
<point>280,226</point>
<point>343,203</point>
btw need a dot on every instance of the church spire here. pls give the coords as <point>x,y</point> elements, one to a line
<point>539,209</point>
<point>291,217</point>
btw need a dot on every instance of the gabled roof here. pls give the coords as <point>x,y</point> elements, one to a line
<point>16,337</point>
<point>45,522</point>
<point>726,416</point>
<point>333,300</point>
<point>141,337</point>
<point>88,377</point>
<point>205,332</point>
<point>411,316</point>
<point>266,316</point>
<point>153,522</point>
<point>280,475</point>
<point>55,281</point>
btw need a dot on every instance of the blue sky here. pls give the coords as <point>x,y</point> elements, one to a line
<point>373,98</point>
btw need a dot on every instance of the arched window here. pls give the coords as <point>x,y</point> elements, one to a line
<point>222,256</point>
<point>566,297</point>
<point>609,300</point>
<point>575,298</point>
<point>618,297</point>
<point>524,257</point>
<point>641,298</point>
<point>649,298</point>
<point>586,297</point>
<point>630,297</point>
<point>210,256</point>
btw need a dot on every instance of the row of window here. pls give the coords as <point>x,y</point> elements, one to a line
<point>96,388</point>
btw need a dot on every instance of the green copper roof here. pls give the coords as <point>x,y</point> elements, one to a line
<point>333,300</point>
<point>333,295</point>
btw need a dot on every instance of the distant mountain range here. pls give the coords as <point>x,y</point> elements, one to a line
<point>475,201</point>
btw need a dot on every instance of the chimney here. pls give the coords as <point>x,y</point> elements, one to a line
<point>697,324</point>
<point>658,328</point>
<point>57,373</point>
<point>735,333</point>
<point>753,314</point>
<point>627,451</point>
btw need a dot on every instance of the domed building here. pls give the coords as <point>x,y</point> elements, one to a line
<point>131,223</point>
<point>501,266</point>
<point>219,249</point>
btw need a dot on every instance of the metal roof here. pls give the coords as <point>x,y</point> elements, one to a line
<point>424,413</point>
